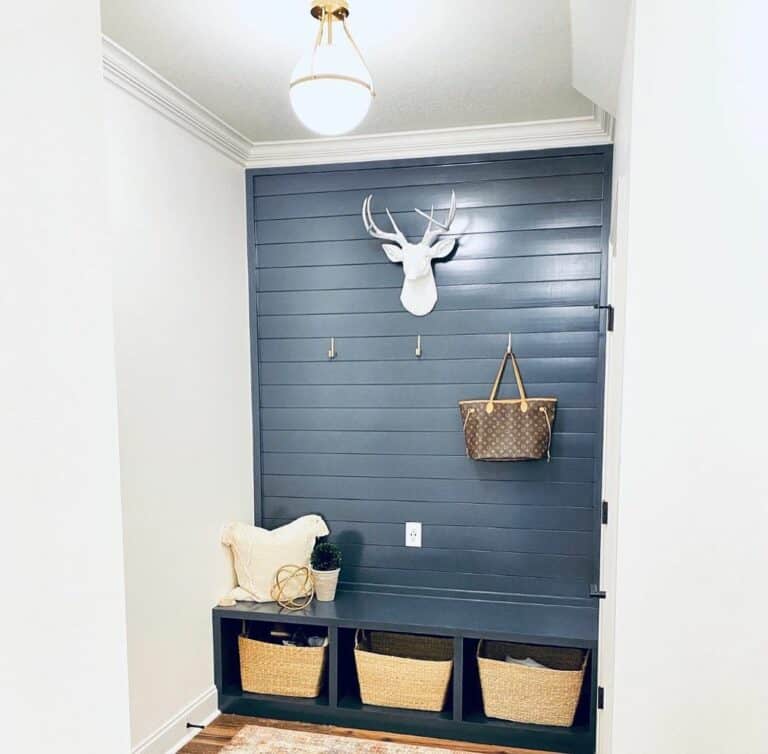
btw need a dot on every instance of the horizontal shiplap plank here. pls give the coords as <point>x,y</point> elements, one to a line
<point>459,514</point>
<point>573,495</point>
<point>482,245</point>
<point>388,443</point>
<point>453,172</point>
<point>453,273</point>
<point>465,560</point>
<point>427,467</point>
<point>469,196</point>
<point>461,538</point>
<point>454,297</point>
<point>479,220</point>
<point>572,395</point>
<point>480,322</point>
<point>414,371</point>
<point>473,584</point>
<point>402,420</point>
<point>396,348</point>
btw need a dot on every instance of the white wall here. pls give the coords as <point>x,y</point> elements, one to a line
<point>617,294</point>
<point>690,589</point>
<point>597,49</point>
<point>183,373</point>
<point>63,675</point>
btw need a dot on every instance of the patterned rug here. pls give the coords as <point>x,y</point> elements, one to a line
<point>254,739</point>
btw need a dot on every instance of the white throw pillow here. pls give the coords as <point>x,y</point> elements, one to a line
<point>259,553</point>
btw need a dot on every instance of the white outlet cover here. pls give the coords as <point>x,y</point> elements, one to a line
<point>413,534</point>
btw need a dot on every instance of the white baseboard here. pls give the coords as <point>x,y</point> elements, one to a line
<point>173,734</point>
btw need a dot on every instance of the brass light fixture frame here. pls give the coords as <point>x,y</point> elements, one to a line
<point>338,8</point>
<point>326,12</point>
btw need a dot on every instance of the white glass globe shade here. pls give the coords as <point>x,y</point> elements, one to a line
<point>338,103</point>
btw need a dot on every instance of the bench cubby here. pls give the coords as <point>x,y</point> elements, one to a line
<point>466,622</point>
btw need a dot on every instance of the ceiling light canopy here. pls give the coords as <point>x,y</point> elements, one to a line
<point>331,87</point>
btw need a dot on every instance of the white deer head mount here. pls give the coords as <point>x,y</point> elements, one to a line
<point>419,294</point>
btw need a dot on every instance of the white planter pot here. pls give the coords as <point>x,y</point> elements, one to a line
<point>325,584</point>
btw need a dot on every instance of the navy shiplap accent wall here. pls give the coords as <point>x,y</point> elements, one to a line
<point>373,438</point>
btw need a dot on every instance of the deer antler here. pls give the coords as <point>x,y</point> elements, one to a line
<point>430,236</point>
<point>374,229</point>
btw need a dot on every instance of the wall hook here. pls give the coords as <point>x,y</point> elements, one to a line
<point>418,346</point>
<point>509,342</point>
<point>332,349</point>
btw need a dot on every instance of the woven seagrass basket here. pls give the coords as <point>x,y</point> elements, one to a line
<point>403,670</point>
<point>543,696</point>
<point>283,671</point>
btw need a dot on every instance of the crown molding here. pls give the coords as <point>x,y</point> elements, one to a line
<point>130,74</point>
<point>589,130</point>
<point>127,72</point>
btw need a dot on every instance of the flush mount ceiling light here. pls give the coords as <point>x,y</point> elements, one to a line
<point>331,86</point>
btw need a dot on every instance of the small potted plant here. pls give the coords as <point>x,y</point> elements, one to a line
<point>326,564</point>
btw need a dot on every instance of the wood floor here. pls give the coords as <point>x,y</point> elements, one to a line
<point>222,730</point>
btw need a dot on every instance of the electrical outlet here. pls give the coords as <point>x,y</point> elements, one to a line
<point>412,534</point>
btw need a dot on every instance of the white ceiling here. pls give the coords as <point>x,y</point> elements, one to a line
<point>435,63</point>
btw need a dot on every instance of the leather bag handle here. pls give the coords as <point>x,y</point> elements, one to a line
<point>497,383</point>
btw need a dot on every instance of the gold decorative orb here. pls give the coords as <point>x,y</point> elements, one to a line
<point>293,588</point>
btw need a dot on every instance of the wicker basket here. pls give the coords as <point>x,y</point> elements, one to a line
<point>403,670</point>
<point>284,671</point>
<point>543,696</point>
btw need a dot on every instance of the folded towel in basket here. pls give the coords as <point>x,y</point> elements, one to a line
<point>528,662</point>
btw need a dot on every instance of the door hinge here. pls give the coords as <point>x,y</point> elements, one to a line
<point>605,512</point>
<point>611,312</point>
<point>600,697</point>
<point>596,592</point>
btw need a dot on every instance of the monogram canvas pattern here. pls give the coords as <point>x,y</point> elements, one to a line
<point>508,430</point>
<point>507,433</point>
